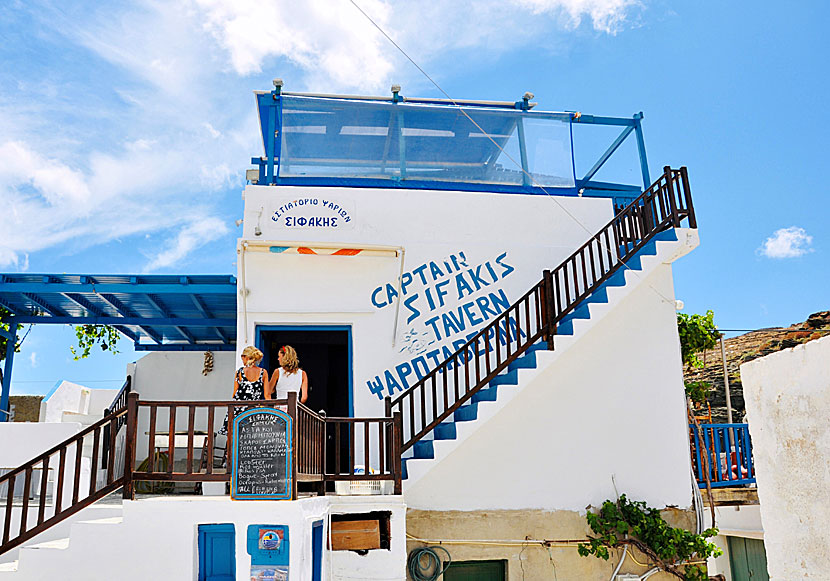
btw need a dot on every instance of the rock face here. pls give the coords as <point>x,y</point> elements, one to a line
<point>745,348</point>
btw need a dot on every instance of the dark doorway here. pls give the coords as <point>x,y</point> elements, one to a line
<point>325,356</point>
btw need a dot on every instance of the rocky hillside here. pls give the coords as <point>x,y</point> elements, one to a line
<point>746,348</point>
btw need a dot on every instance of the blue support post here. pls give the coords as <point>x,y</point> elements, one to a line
<point>7,371</point>
<point>270,144</point>
<point>523,153</point>
<point>641,148</point>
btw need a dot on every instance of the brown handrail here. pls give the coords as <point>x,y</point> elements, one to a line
<point>536,315</point>
<point>67,482</point>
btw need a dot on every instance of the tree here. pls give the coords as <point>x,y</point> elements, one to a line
<point>697,333</point>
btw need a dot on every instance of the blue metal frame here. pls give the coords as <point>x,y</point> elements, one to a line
<point>717,439</point>
<point>11,343</point>
<point>178,312</point>
<point>259,329</point>
<point>269,165</point>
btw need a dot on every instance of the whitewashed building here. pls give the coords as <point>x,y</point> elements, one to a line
<point>491,337</point>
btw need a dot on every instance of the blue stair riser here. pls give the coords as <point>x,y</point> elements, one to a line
<point>485,394</point>
<point>423,449</point>
<point>509,378</point>
<point>466,413</point>
<point>445,431</point>
<point>526,361</point>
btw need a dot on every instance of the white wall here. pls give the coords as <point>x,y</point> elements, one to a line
<point>610,405</point>
<point>66,397</point>
<point>509,238</point>
<point>162,535</point>
<point>177,376</point>
<point>788,402</point>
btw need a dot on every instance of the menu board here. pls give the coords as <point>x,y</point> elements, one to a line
<point>262,455</point>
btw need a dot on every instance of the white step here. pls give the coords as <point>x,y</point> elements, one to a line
<point>56,544</point>
<point>9,567</point>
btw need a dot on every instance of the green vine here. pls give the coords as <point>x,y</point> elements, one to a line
<point>697,391</point>
<point>6,327</point>
<point>90,335</point>
<point>697,333</point>
<point>674,550</point>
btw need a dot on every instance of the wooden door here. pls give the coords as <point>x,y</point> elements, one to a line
<point>748,559</point>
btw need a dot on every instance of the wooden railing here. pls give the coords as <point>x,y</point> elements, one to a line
<point>536,314</point>
<point>723,453</point>
<point>120,402</point>
<point>380,458</point>
<point>61,481</point>
<point>176,451</point>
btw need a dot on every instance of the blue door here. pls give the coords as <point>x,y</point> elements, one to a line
<point>217,554</point>
<point>317,551</point>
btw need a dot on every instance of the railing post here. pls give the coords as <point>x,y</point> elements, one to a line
<point>292,411</point>
<point>128,491</point>
<point>397,441</point>
<point>675,218</point>
<point>547,308</point>
<point>387,407</point>
<point>687,191</point>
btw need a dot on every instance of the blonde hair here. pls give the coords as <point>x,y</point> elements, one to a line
<point>253,354</point>
<point>291,362</point>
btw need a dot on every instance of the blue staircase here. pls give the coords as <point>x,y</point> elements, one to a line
<point>423,449</point>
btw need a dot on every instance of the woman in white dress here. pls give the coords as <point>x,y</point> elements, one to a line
<point>288,376</point>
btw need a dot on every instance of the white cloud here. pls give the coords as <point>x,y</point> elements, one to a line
<point>197,233</point>
<point>789,242</point>
<point>33,358</point>
<point>173,124</point>
<point>606,15</point>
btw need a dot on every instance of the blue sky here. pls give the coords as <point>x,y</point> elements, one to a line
<point>125,129</point>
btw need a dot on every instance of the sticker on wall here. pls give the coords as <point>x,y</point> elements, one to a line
<point>268,573</point>
<point>314,213</point>
<point>270,539</point>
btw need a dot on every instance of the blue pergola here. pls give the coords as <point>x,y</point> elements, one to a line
<point>158,312</point>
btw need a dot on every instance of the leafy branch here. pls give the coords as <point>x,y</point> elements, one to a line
<point>7,327</point>
<point>697,333</point>
<point>697,391</point>
<point>89,335</point>
<point>674,550</point>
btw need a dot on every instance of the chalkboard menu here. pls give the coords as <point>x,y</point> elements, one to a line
<point>262,455</point>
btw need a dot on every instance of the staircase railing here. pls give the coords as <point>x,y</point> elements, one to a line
<point>119,402</point>
<point>54,484</point>
<point>667,203</point>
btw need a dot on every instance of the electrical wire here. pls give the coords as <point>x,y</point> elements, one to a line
<point>501,149</point>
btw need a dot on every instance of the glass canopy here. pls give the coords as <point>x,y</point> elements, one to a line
<point>320,139</point>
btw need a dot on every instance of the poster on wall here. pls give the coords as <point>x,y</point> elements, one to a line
<point>262,448</point>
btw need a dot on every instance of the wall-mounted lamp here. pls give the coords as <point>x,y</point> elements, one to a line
<point>239,222</point>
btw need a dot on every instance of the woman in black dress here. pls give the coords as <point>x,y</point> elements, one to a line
<point>249,382</point>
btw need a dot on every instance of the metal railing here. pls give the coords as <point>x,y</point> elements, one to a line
<point>724,451</point>
<point>536,315</point>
